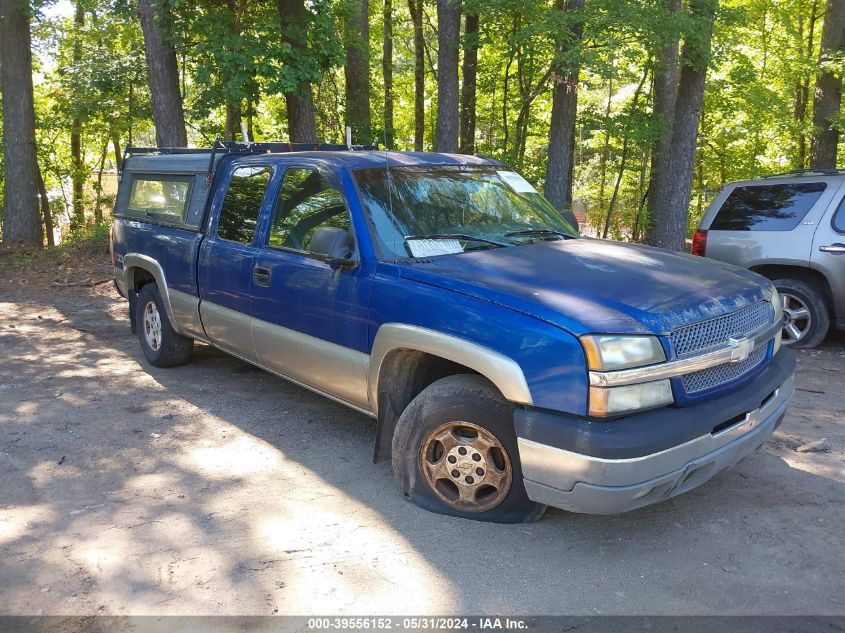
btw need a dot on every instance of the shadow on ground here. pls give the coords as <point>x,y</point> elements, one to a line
<point>216,488</point>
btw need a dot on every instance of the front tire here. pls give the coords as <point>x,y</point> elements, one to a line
<point>160,343</point>
<point>455,453</point>
<point>805,311</point>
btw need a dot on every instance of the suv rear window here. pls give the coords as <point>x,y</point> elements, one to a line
<point>767,207</point>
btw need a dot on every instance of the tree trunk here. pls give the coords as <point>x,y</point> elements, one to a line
<point>21,221</point>
<point>802,88</point>
<point>77,168</point>
<point>300,107</point>
<point>98,212</point>
<point>470,73</point>
<point>828,96</point>
<point>387,72</point>
<point>642,194</point>
<point>415,7</point>
<point>46,212</point>
<point>663,112</point>
<point>605,149</point>
<point>448,41</point>
<point>564,106</point>
<point>356,43</point>
<point>234,104</point>
<point>233,122</point>
<point>250,112</point>
<point>624,159</point>
<point>668,224</point>
<point>163,73</point>
<point>118,154</point>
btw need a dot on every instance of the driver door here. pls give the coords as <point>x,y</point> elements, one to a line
<point>310,320</point>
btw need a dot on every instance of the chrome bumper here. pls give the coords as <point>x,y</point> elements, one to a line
<point>595,485</point>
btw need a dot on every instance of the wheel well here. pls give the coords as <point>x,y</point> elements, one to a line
<point>141,278</point>
<point>808,275</point>
<point>403,375</point>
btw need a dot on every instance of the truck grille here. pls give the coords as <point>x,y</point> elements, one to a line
<point>708,378</point>
<point>699,338</point>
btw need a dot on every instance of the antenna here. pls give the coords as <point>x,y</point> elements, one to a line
<point>245,134</point>
<point>210,175</point>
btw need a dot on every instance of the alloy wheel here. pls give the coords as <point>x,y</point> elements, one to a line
<point>797,318</point>
<point>152,325</point>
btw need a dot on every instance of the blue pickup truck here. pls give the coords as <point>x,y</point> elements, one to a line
<point>509,363</point>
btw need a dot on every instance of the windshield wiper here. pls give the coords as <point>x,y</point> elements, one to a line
<point>457,236</point>
<point>530,232</point>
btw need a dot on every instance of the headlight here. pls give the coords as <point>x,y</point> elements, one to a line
<point>777,304</point>
<point>612,352</point>
<point>608,401</point>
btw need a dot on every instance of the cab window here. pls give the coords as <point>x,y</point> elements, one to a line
<point>306,203</point>
<point>242,204</point>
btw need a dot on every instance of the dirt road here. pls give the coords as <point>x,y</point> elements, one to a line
<point>215,488</point>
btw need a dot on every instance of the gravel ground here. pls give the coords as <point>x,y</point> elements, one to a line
<point>216,488</point>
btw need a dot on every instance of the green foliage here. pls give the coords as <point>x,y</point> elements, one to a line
<point>82,236</point>
<point>233,57</point>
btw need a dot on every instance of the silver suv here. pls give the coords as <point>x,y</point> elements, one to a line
<point>790,228</point>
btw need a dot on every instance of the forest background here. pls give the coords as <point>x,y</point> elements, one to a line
<point>635,113</point>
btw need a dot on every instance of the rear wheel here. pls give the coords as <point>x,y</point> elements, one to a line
<point>455,453</point>
<point>160,343</point>
<point>806,313</point>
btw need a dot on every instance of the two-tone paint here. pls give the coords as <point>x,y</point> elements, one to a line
<point>513,315</point>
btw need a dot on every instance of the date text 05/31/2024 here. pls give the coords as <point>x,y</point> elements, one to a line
<point>417,623</point>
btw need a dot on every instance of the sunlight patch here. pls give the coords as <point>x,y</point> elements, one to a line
<point>243,456</point>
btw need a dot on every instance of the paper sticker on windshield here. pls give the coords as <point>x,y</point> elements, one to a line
<point>432,248</point>
<point>516,182</point>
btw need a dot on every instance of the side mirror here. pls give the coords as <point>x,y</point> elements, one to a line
<point>569,216</point>
<point>333,246</point>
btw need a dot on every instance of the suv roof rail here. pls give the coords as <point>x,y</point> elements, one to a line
<point>807,172</point>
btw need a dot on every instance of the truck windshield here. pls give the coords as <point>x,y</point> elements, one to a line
<point>424,211</point>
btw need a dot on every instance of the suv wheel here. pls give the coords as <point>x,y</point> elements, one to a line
<point>160,343</point>
<point>455,453</point>
<point>805,311</point>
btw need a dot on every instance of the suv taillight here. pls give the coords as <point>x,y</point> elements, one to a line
<point>699,242</point>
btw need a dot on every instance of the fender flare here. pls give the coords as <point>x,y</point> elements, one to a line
<point>133,261</point>
<point>503,372</point>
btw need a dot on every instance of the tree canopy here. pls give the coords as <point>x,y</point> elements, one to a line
<point>637,111</point>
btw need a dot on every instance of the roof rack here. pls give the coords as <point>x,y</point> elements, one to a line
<point>222,148</point>
<point>237,147</point>
<point>807,172</point>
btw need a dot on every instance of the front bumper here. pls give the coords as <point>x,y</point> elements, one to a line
<point>616,466</point>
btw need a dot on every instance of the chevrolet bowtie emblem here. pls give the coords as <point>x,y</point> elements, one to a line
<point>741,348</point>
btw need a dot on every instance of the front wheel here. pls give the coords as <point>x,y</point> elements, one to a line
<point>455,453</point>
<point>160,343</point>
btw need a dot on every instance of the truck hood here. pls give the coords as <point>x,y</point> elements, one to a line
<point>594,286</point>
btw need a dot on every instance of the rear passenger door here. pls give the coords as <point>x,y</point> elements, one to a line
<point>828,254</point>
<point>228,255</point>
<point>769,222</point>
<point>310,319</point>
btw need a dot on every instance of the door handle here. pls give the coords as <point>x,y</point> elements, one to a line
<point>836,249</point>
<point>261,276</point>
